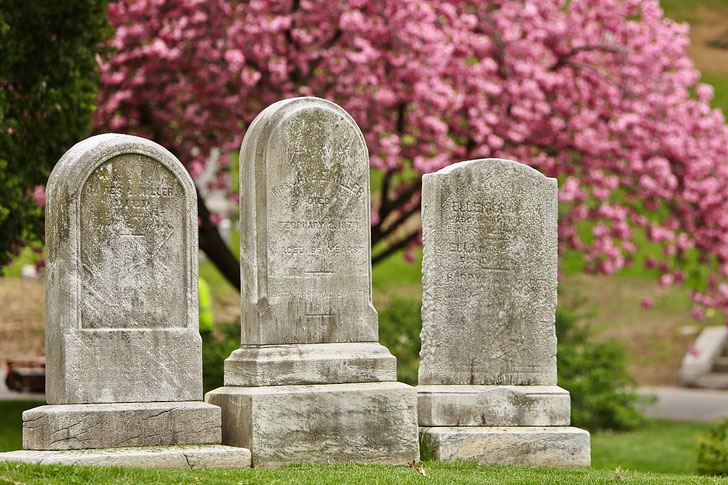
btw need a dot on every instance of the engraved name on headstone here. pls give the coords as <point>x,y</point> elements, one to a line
<point>122,315</point>
<point>489,275</point>
<point>132,246</point>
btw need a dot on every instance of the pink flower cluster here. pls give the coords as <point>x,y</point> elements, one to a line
<point>595,93</point>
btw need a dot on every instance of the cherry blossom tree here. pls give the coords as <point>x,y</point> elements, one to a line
<point>598,93</point>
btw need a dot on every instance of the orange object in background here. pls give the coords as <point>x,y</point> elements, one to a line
<point>26,374</point>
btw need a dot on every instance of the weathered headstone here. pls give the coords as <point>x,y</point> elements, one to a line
<point>123,350</point>
<point>310,382</point>
<point>487,378</point>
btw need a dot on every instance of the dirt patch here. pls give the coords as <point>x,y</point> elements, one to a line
<point>22,318</point>
<point>705,25</point>
<point>654,337</point>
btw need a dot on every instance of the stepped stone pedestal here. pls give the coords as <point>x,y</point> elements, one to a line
<point>123,349</point>
<point>310,382</point>
<point>487,378</point>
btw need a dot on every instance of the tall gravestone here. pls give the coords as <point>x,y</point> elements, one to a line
<point>310,382</point>
<point>123,350</point>
<point>487,378</point>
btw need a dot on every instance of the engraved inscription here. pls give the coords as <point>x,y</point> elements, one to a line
<point>489,262</point>
<point>132,246</point>
<point>320,202</point>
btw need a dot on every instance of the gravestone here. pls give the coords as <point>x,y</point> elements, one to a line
<point>487,377</point>
<point>310,382</point>
<point>123,350</point>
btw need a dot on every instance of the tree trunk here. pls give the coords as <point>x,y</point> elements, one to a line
<point>215,248</point>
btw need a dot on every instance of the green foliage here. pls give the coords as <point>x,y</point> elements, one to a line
<point>207,316</point>
<point>216,347</point>
<point>11,425</point>
<point>399,330</point>
<point>603,394</point>
<point>47,97</point>
<point>713,450</point>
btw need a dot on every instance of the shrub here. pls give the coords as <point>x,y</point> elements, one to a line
<point>713,450</point>
<point>216,347</point>
<point>603,394</point>
<point>399,330</point>
<point>48,74</point>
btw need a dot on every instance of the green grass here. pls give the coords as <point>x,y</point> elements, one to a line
<point>11,424</point>
<point>684,10</point>
<point>660,446</point>
<point>719,81</point>
<point>395,271</point>
<point>437,473</point>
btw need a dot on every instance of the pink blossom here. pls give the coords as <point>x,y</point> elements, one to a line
<point>594,93</point>
<point>698,312</point>
<point>647,303</point>
<point>39,195</point>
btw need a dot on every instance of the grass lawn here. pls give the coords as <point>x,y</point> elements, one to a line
<point>660,452</point>
<point>660,446</point>
<point>437,473</point>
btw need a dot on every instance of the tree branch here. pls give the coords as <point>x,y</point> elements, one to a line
<point>590,47</point>
<point>383,204</point>
<point>398,222</point>
<point>393,248</point>
<point>215,248</point>
<point>384,211</point>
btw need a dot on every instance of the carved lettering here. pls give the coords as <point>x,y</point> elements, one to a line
<point>132,246</point>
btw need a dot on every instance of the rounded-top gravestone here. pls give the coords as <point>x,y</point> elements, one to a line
<point>304,213</point>
<point>121,297</point>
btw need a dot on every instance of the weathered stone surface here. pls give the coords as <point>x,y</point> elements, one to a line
<point>275,365</point>
<point>528,446</point>
<point>82,426</point>
<point>489,275</point>
<point>709,344</point>
<point>121,275</point>
<point>190,457</point>
<point>304,216</point>
<point>493,406</point>
<point>365,422</point>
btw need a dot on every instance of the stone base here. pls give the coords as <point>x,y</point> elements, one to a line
<point>84,426</point>
<point>530,446</point>
<point>295,364</point>
<point>330,423</point>
<point>493,406</point>
<point>197,457</point>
